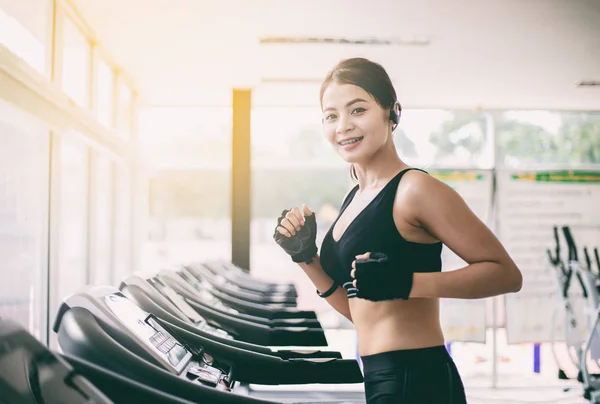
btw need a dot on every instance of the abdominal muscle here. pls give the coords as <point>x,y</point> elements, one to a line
<point>396,324</point>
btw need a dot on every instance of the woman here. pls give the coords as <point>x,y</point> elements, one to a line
<point>380,262</point>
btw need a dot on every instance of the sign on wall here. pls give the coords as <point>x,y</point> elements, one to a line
<point>529,204</point>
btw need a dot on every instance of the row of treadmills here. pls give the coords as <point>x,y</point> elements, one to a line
<point>192,333</point>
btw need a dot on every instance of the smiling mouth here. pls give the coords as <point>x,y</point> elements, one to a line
<point>351,141</point>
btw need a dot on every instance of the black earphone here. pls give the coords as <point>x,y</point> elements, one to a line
<point>395,116</point>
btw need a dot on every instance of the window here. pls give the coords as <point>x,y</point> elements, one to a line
<point>75,64</point>
<point>122,242</point>
<point>190,188</point>
<point>284,134</point>
<point>101,265</point>
<point>184,137</point>
<point>547,137</point>
<point>24,193</point>
<point>104,94</point>
<point>427,137</point>
<point>23,30</point>
<point>125,111</point>
<point>72,268</point>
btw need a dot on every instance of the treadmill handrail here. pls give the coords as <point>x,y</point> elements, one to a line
<point>252,297</point>
<point>264,369</point>
<point>247,284</point>
<point>146,303</point>
<point>191,294</point>
<point>267,311</point>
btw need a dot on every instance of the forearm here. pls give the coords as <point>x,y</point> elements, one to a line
<point>338,300</point>
<point>475,281</point>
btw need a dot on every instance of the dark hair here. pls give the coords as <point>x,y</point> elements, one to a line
<point>371,77</point>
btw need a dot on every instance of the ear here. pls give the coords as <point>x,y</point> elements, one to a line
<point>395,114</point>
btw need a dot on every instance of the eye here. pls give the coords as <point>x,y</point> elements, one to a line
<point>329,117</point>
<point>358,110</point>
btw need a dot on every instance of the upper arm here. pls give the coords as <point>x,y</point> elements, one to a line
<point>339,301</point>
<point>442,212</point>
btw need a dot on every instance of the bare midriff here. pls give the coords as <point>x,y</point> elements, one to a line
<point>396,324</point>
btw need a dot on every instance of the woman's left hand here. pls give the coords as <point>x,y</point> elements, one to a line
<point>376,278</point>
<point>353,272</point>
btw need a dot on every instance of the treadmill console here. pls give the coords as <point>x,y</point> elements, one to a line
<point>205,295</point>
<point>177,300</point>
<point>192,280</point>
<point>186,309</point>
<point>152,335</point>
<point>210,299</point>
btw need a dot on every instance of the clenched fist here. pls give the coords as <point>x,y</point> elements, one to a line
<point>296,233</point>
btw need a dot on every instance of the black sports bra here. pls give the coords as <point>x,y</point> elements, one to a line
<point>374,229</point>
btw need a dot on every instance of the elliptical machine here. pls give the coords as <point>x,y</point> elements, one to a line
<point>574,332</point>
<point>591,349</point>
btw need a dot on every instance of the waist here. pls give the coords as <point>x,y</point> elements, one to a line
<point>394,360</point>
<point>396,325</point>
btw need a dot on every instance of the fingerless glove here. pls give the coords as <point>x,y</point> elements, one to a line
<point>301,246</point>
<point>378,279</point>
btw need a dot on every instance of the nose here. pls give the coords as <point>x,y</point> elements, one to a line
<point>344,124</point>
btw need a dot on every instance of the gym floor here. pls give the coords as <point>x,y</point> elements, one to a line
<point>536,394</point>
<point>539,390</point>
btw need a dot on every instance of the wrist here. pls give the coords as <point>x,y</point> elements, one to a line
<point>314,259</point>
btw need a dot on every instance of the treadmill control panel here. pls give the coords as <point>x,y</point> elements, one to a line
<point>177,300</point>
<point>208,298</point>
<point>205,374</point>
<point>191,279</point>
<point>153,336</point>
<point>187,310</point>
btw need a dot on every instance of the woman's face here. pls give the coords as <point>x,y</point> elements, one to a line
<point>354,123</point>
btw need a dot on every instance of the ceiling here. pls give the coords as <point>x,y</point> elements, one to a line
<point>478,54</point>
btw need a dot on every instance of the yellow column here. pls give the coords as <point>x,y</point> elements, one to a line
<point>241,178</point>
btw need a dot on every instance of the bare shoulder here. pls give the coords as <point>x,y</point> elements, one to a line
<point>416,180</point>
<point>414,192</point>
<point>417,188</point>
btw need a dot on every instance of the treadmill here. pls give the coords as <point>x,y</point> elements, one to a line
<point>101,325</point>
<point>157,298</point>
<point>219,283</point>
<point>251,329</point>
<point>229,285</point>
<point>30,373</point>
<point>198,285</point>
<point>199,271</point>
<point>243,279</point>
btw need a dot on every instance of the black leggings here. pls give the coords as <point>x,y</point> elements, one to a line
<point>414,376</point>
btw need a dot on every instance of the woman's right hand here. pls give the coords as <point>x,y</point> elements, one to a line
<point>296,233</point>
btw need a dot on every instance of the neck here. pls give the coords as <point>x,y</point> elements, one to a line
<point>376,172</point>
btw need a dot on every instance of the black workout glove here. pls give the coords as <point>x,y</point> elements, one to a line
<point>302,246</point>
<point>377,279</point>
